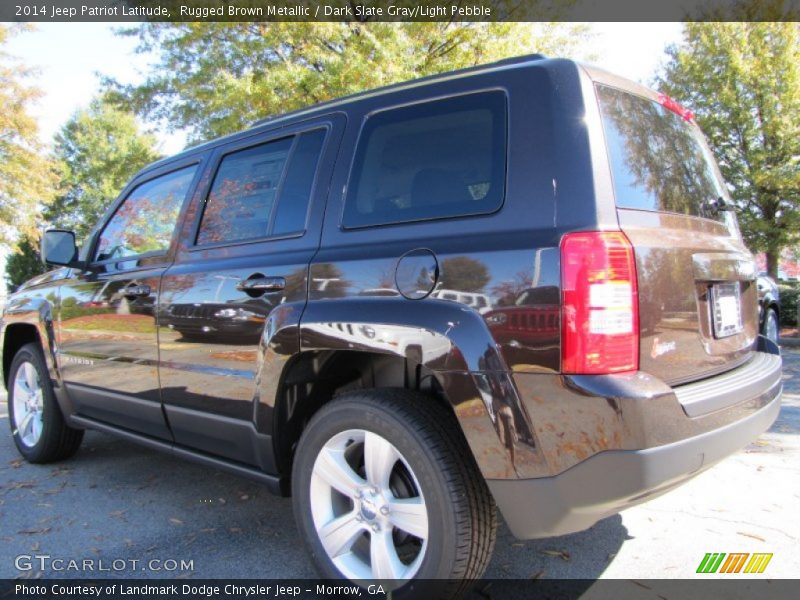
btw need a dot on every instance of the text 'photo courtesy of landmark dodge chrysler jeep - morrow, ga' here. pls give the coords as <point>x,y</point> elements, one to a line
<point>517,286</point>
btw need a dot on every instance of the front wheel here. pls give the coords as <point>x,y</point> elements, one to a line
<point>385,489</point>
<point>38,427</point>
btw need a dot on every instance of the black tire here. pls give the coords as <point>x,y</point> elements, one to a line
<point>57,440</point>
<point>462,518</point>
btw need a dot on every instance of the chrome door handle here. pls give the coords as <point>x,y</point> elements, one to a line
<point>261,284</point>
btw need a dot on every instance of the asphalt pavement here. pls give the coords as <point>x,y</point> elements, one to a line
<point>143,513</point>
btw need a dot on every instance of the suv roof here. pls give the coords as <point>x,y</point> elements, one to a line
<point>267,122</point>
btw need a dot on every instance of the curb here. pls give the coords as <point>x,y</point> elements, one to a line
<point>789,342</point>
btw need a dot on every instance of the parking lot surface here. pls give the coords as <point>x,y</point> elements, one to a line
<point>119,502</point>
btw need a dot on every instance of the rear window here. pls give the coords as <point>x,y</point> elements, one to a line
<point>658,160</point>
<point>256,195</point>
<point>436,159</point>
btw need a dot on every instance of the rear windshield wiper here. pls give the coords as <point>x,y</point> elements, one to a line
<point>717,205</point>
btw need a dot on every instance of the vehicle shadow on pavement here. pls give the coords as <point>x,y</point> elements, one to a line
<point>116,500</point>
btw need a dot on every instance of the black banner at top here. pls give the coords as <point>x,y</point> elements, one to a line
<point>397,10</point>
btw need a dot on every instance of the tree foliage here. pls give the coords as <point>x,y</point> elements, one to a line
<point>215,78</point>
<point>742,80</point>
<point>24,263</point>
<point>97,152</point>
<point>26,178</point>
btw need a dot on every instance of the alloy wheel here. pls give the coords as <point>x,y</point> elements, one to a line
<point>28,404</point>
<point>368,508</point>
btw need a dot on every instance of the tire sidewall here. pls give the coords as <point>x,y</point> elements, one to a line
<point>772,316</point>
<point>30,353</point>
<point>364,413</point>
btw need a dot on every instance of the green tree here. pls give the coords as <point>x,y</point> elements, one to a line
<point>97,152</point>
<point>24,263</point>
<point>26,177</point>
<point>742,80</point>
<point>215,78</point>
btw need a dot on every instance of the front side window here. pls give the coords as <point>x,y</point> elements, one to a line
<point>145,221</point>
<point>444,158</point>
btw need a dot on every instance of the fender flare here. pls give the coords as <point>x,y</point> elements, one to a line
<point>453,342</point>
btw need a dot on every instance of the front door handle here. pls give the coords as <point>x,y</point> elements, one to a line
<point>258,284</point>
<point>136,291</point>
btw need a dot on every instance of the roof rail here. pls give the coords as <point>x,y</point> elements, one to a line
<point>517,59</point>
<point>500,63</point>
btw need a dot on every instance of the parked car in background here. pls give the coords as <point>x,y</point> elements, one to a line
<point>769,303</point>
<point>398,399</point>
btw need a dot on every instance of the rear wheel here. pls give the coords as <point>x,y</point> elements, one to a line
<point>385,489</point>
<point>38,427</point>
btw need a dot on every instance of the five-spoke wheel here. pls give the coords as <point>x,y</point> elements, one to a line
<point>367,507</point>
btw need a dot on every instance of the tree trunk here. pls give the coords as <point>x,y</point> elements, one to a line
<point>773,258</point>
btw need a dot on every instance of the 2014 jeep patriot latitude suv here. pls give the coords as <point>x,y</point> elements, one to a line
<point>267,303</point>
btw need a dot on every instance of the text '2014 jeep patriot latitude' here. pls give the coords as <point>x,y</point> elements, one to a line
<point>518,285</point>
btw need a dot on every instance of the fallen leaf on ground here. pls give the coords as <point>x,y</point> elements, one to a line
<point>34,531</point>
<point>538,574</point>
<point>175,521</point>
<point>562,554</point>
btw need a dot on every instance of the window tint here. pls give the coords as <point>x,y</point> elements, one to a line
<point>145,221</point>
<point>658,160</point>
<point>296,190</point>
<point>436,159</point>
<point>244,191</point>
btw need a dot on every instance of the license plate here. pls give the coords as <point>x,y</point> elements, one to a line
<point>726,306</point>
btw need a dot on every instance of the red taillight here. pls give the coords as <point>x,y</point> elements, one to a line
<point>600,308</point>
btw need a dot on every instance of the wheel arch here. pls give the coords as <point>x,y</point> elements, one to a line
<point>437,347</point>
<point>16,336</point>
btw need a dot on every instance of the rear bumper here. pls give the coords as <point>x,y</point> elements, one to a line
<point>613,480</point>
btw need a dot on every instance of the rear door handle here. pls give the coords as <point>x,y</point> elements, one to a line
<point>136,291</point>
<point>261,284</point>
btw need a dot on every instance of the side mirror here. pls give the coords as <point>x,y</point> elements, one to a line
<point>58,248</point>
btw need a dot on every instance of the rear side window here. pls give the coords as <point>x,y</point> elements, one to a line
<point>262,191</point>
<point>444,158</point>
<point>658,160</point>
<point>243,194</point>
<point>145,221</point>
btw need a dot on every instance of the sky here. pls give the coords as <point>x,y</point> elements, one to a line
<point>71,58</point>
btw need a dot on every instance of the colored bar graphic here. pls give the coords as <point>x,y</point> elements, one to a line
<point>758,563</point>
<point>712,562</point>
<point>733,561</point>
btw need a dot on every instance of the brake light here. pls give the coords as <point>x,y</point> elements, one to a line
<point>600,308</point>
<point>674,106</point>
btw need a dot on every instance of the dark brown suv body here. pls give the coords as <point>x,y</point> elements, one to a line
<point>469,183</point>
